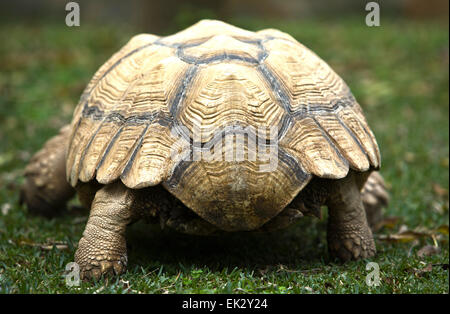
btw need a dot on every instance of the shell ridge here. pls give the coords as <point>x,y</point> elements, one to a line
<point>113,114</point>
<point>136,148</point>
<point>109,146</point>
<point>350,132</point>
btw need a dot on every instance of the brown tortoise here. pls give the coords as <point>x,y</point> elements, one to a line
<point>142,136</point>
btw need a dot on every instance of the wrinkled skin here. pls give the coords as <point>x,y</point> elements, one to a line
<point>354,203</point>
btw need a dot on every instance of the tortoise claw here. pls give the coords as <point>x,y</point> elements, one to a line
<point>314,211</point>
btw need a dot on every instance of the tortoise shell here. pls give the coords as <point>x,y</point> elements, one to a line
<point>161,110</point>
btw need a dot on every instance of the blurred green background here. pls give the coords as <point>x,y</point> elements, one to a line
<point>398,72</point>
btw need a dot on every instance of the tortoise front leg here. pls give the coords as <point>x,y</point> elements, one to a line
<point>102,249</point>
<point>46,189</point>
<point>349,235</point>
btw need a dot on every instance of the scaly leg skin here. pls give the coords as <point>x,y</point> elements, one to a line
<point>375,197</point>
<point>102,248</point>
<point>46,190</point>
<point>349,235</point>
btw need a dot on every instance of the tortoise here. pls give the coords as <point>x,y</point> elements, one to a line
<point>213,129</point>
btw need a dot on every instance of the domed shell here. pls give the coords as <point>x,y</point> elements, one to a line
<point>161,106</point>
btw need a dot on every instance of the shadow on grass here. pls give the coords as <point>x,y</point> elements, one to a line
<point>296,247</point>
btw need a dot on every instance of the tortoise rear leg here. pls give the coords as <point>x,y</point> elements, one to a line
<point>349,235</point>
<point>375,197</point>
<point>102,248</point>
<point>46,190</point>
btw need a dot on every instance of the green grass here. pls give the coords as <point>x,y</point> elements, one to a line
<point>399,74</point>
